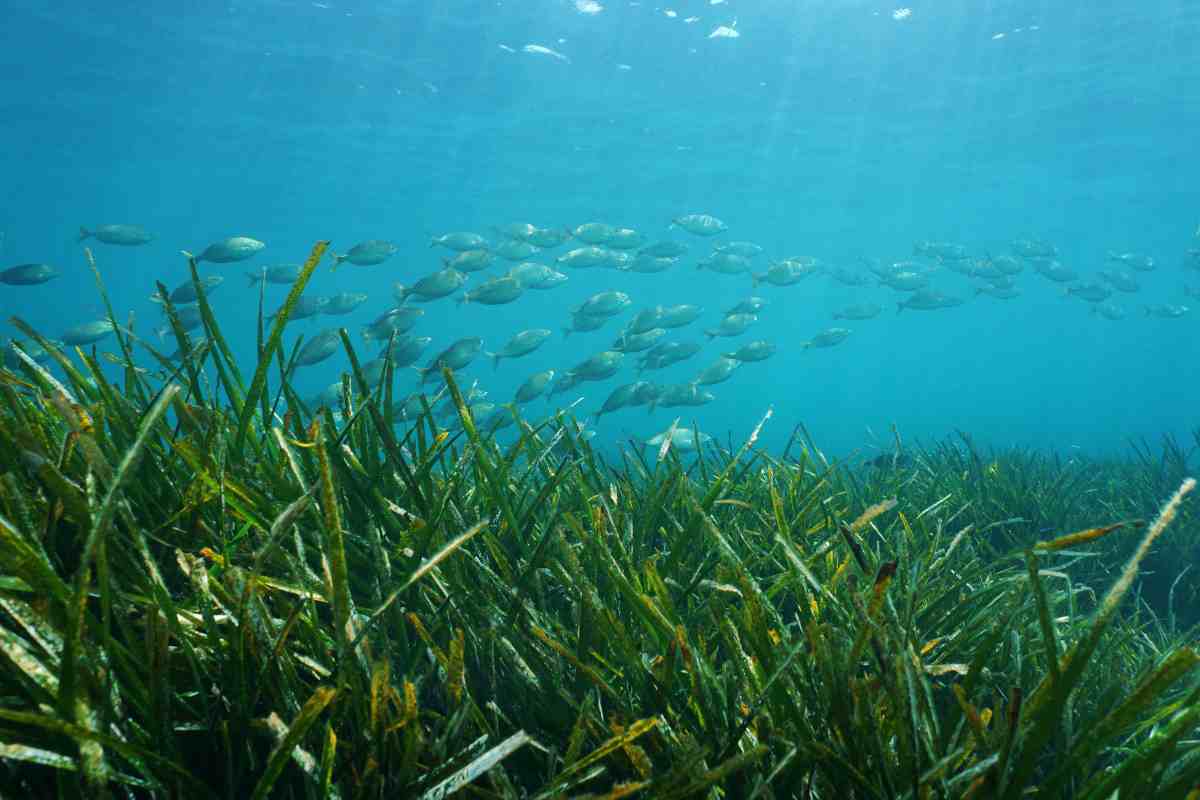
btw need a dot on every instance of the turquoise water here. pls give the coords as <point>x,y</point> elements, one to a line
<point>837,132</point>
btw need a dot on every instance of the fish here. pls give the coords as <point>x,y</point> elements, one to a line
<point>685,440</point>
<point>650,265</point>
<point>1091,292</point>
<point>565,383</point>
<point>186,293</point>
<point>604,304</point>
<point>625,239</point>
<point>439,284</point>
<point>679,316</point>
<point>516,230</point>
<point>470,260</point>
<point>305,308</point>
<point>400,320</point>
<point>581,323</point>
<point>719,371</point>
<point>1167,311</point>
<point>367,254</point>
<point>405,350</point>
<point>513,250</point>
<point>542,50</point>
<point>664,355</point>
<point>87,333</point>
<point>189,319</point>
<point>700,224</point>
<point>455,357</point>
<point>1009,265</point>
<point>732,325</point>
<point>945,251</point>
<point>679,395</point>
<point>999,292</point>
<point>319,348</point>
<point>533,386</point>
<point>788,272</point>
<point>128,235</point>
<point>494,292</point>
<point>743,249</point>
<point>928,300</point>
<point>280,274</point>
<point>619,260</point>
<point>750,305</point>
<point>521,344</point>
<point>227,251</point>
<point>1120,280</point>
<point>828,338</point>
<point>599,367</point>
<point>597,233</point>
<point>848,277</point>
<point>628,395</point>
<point>1033,248</point>
<point>1055,271</point>
<point>758,350</point>
<point>860,311</point>
<point>583,257</point>
<point>548,238</point>
<point>344,302</point>
<point>537,276</point>
<point>1137,261</point>
<point>629,342</point>
<point>905,281</point>
<point>644,321</point>
<point>1109,311</point>
<point>460,241</point>
<point>28,275</point>
<point>725,263</point>
<point>664,249</point>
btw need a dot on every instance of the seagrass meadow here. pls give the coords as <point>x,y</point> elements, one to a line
<point>209,589</point>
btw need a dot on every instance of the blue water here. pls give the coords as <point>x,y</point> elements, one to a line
<point>832,130</point>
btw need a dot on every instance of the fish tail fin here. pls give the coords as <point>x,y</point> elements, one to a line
<point>756,279</point>
<point>156,298</point>
<point>899,307</point>
<point>566,332</point>
<point>433,242</point>
<point>253,278</point>
<point>337,260</point>
<point>84,233</point>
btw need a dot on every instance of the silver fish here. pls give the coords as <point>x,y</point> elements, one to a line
<point>227,251</point>
<point>439,284</point>
<point>28,274</point>
<point>497,291</point>
<point>521,344</point>
<point>367,254</point>
<point>344,302</point>
<point>460,242</point>
<point>533,387</point>
<point>281,274</point>
<point>128,235</point>
<point>732,325</point>
<point>828,338</point>
<point>700,224</point>
<point>318,348</point>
